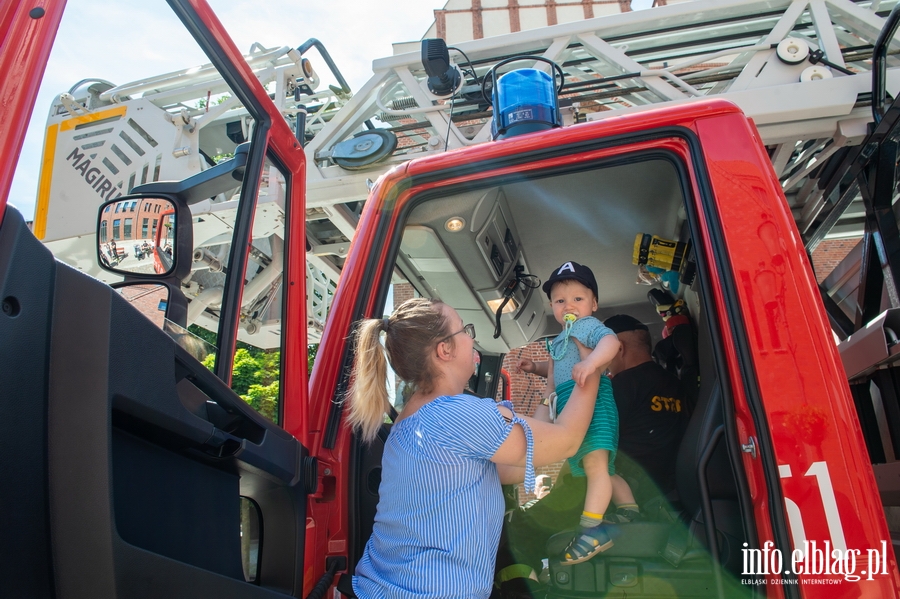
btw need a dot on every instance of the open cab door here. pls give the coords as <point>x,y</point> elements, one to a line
<point>772,458</point>
<point>135,469</point>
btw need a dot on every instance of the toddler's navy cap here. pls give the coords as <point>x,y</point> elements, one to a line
<point>572,271</point>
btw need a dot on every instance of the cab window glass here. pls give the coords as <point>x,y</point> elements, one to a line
<point>400,290</point>
<point>256,370</point>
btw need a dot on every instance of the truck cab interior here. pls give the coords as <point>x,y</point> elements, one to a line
<point>473,245</point>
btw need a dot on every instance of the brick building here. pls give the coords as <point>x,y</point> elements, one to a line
<point>132,221</point>
<point>149,299</point>
<point>829,254</point>
<point>464,20</point>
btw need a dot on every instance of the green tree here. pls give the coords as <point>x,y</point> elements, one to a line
<point>255,372</point>
<point>263,399</point>
<point>311,353</point>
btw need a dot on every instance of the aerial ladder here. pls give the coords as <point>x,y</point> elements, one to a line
<point>801,69</point>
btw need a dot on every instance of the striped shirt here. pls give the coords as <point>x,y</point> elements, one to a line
<point>441,507</point>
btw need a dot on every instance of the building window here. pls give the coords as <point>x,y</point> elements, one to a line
<point>107,208</point>
<point>116,224</point>
<point>127,233</point>
<point>144,225</point>
<point>118,207</point>
<point>103,233</point>
<point>153,231</point>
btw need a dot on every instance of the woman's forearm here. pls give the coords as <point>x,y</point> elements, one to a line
<point>580,407</point>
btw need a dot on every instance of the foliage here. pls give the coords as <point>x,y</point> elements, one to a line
<point>263,399</point>
<point>201,103</point>
<point>252,369</point>
<point>255,373</point>
<point>311,352</point>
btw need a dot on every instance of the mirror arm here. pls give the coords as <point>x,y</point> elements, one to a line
<point>225,176</point>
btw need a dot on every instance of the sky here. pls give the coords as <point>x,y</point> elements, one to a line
<point>128,40</point>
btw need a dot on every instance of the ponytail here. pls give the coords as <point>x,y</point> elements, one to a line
<point>368,393</point>
<point>410,332</point>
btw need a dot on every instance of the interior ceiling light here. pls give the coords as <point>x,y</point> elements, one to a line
<point>455,224</point>
<point>510,307</point>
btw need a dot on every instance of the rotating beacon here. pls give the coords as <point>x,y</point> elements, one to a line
<point>524,100</point>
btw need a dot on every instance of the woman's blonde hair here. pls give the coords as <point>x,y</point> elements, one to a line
<point>410,332</point>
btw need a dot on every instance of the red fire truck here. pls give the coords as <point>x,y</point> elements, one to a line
<point>132,470</point>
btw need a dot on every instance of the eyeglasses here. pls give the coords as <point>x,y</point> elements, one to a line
<point>469,330</point>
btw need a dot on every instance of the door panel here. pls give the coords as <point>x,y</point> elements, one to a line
<point>129,457</point>
<point>26,283</point>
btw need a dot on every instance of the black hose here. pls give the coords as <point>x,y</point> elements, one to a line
<point>528,281</point>
<point>321,587</point>
<point>314,43</point>
<point>507,295</point>
<point>879,56</point>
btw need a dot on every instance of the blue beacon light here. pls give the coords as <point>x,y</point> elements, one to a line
<point>525,100</point>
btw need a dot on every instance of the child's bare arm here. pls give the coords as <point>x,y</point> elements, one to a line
<point>596,359</point>
<point>527,365</point>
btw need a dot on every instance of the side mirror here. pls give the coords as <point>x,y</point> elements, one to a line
<point>138,236</point>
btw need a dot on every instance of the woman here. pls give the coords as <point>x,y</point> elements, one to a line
<point>441,506</point>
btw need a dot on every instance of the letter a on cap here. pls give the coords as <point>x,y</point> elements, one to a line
<point>567,266</point>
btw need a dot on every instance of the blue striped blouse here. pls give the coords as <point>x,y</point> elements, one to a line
<point>441,507</point>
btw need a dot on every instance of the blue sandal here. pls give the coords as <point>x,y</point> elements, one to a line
<point>587,543</point>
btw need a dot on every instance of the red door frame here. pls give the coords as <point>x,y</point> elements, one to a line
<point>284,149</point>
<point>27,31</point>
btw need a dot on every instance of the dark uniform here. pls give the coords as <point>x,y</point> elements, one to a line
<point>652,418</point>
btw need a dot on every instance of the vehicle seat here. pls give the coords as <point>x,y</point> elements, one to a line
<point>365,480</point>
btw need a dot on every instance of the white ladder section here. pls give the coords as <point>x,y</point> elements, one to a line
<point>758,54</point>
